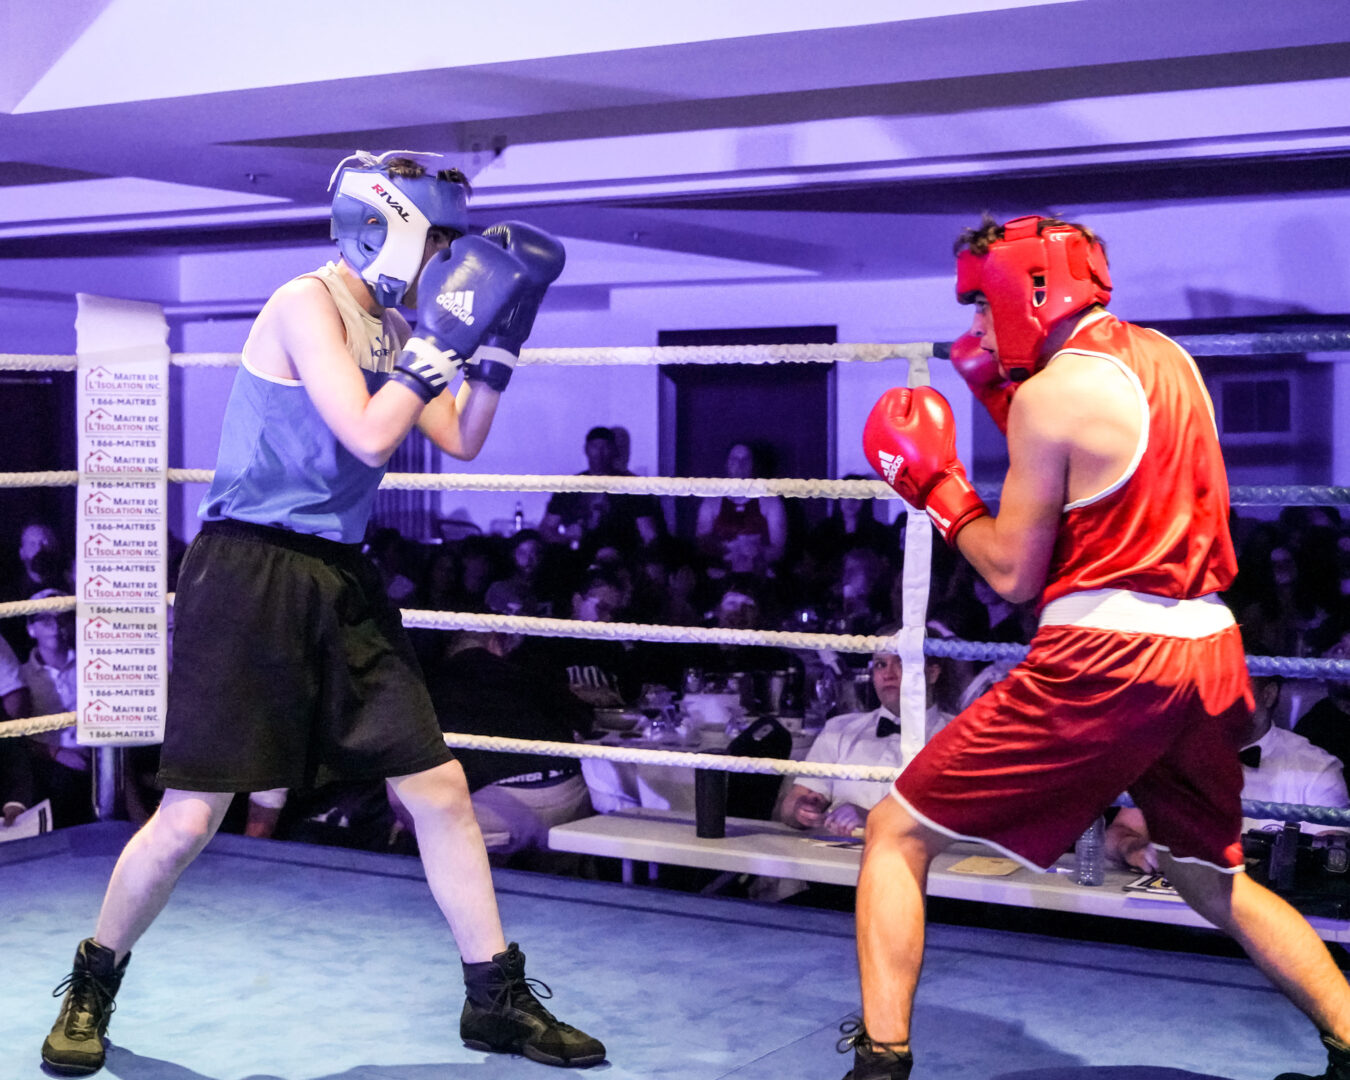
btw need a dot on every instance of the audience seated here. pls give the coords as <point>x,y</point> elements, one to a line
<point>529,564</point>
<point>1327,723</point>
<point>859,601</point>
<point>1286,607</point>
<point>358,814</point>
<point>594,519</point>
<point>737,608</point>
<point>859,738</point>
<point>743,535</point>
<point>42,565</point>
<point>480,565</point>
<point>852,523</point>
<point>63,768</point>
<point>482,690</point>
<point>665,578</point>
<point>1277,766</point>
<point>17,788</point>
<point>39,564</point>
<point>598,672</point>
<point>395,559</point>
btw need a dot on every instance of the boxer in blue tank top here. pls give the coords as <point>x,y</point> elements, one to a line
<point>291,666</point>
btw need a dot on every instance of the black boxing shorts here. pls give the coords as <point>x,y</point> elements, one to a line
<point>290,666</point>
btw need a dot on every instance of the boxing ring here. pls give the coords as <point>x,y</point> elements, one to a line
<point>277,960</point>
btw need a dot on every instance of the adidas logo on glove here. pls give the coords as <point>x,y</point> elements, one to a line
<point>890,465</point>
<point>459,304</point>
<point>943,524</point>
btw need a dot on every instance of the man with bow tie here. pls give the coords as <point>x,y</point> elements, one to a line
<point>859,738</point>
<point>1277,766</point>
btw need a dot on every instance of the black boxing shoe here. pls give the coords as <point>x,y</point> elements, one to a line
<point>75,1045</point>
<point>502,1014</point>
<point>1338,1063</point>
<point>873,1060</point>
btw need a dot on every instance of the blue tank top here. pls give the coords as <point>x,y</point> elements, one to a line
<point>279,464</point>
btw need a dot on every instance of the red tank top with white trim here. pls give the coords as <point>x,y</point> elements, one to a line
<point>1162,527</point>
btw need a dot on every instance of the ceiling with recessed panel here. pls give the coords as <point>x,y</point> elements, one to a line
<point>702,141</point>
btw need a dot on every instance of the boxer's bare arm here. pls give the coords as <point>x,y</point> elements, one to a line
<point>1072,432</point>
<point>459,423</point>
<point>300,335</point>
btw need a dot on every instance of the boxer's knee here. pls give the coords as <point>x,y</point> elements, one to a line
<point>184,822</point>
<point>441,792</point>
<point>891,823</point>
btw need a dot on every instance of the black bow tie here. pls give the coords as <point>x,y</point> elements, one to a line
<point>1251,757</point>
<point>886,726</point>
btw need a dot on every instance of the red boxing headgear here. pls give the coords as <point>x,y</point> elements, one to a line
<point>1033,278</point>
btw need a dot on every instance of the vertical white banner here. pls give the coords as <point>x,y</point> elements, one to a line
<point>122,408</point>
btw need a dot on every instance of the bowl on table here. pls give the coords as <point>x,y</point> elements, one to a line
<point>711,710</point>
<point>616,719</point>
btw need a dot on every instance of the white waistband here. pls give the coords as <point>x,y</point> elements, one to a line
<point>1139,613</point>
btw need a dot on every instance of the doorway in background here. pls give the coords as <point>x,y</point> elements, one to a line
<point>787,409</point>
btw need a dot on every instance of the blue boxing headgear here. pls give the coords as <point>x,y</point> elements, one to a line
<point>380,222</point>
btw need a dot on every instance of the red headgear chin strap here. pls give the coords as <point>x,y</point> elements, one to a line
<point>1032,278</point>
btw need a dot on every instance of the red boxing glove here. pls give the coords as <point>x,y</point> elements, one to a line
<point>986,380</point>
<point>910,439</point>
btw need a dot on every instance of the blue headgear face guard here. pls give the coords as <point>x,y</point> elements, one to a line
<point>380,222</point>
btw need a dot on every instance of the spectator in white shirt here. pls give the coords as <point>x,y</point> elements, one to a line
<point>64,768</point>
<point>16,769</point>
<point>49,671</point>
<point>860,738</point>
<point>1277,766</point>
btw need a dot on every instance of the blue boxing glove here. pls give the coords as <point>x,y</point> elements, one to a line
<point>460,293</point>
<point>543,258</point>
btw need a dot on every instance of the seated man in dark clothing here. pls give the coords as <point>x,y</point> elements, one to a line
<point>41,565</point>
<point>599,519</point>
<point>599,673</point>
<point>480,690</point>
<point>852,524</point>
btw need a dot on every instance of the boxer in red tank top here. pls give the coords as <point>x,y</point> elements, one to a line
<point>1113,518</point>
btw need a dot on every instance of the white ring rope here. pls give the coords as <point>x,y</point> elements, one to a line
<point>36,362</point>
<point>717,762</point>
<point>713,761</point>
<point>711,486</point>
<point>730,354</point>
<point>623,355</point>
<point>619,631</point>
<point>641,485</point>
<point>19,608</point>
<point>1296,495</point>
<point>67,478</point>
<point>36,725</point>
<point>532,624</point>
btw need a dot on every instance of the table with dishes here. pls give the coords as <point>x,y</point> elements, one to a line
<point>700,723</point>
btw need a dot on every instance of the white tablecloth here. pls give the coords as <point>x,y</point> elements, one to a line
<point>623,785</point>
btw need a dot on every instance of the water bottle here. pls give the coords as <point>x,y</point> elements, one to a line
<point>825,695</point>
<point>520,517</point>
<point>693,680</point>
<point>1090,854</point>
